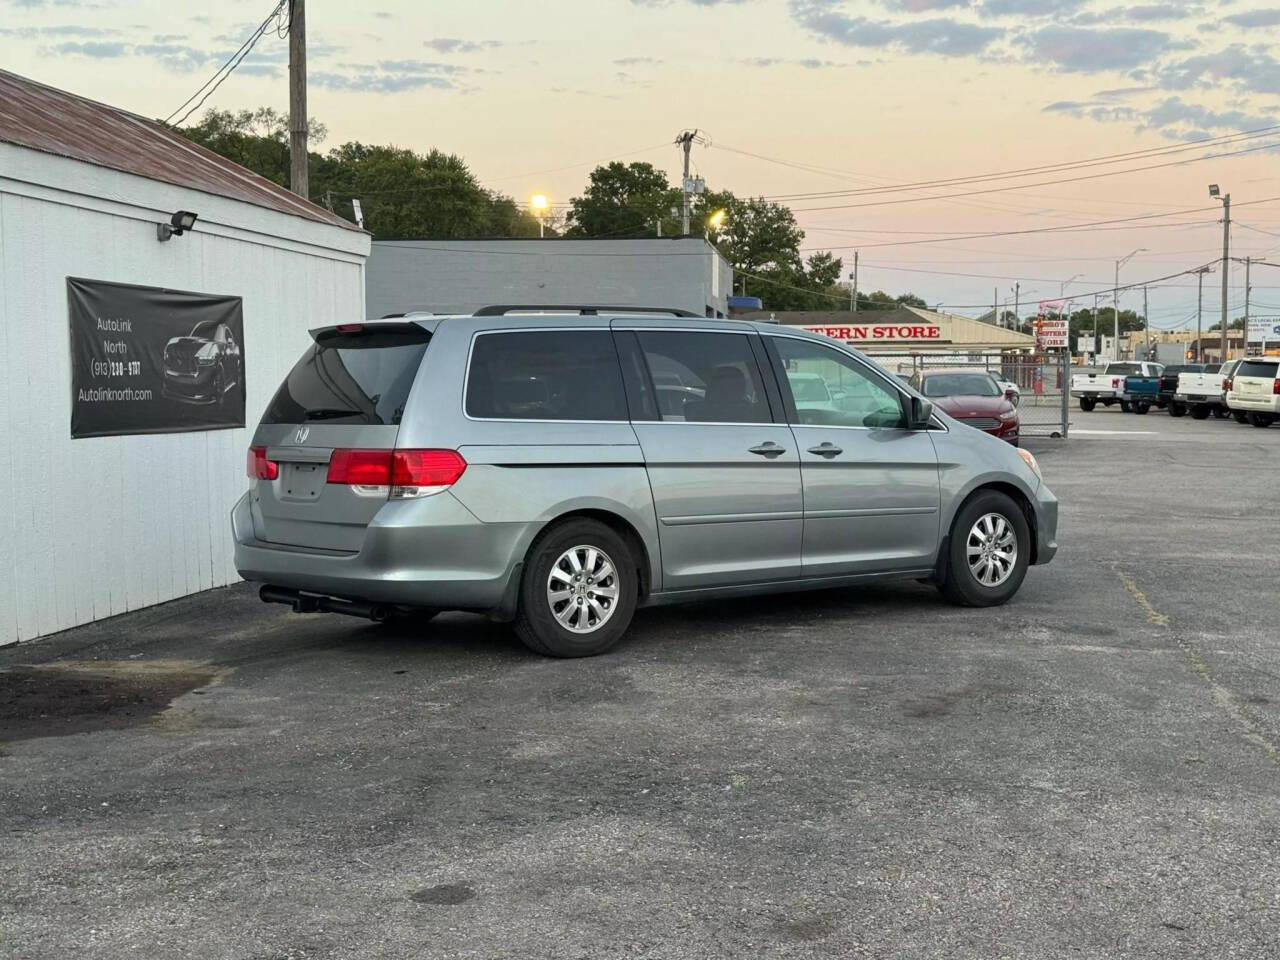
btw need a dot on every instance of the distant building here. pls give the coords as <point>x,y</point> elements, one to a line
<point>459,276</point>
<point>903,329</point>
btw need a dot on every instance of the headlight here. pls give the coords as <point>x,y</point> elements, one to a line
<point>1029,459</point>
<point>1008,415</point>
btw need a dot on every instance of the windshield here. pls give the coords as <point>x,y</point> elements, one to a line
<point>960,385</point>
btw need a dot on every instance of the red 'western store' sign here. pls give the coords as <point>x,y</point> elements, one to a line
<point>880,332</point>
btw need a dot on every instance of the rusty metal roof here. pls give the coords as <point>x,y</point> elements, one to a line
<point>53,121</point>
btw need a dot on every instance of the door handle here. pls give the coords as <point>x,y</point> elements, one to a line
<point>826,449</point>
<point>767,449</point>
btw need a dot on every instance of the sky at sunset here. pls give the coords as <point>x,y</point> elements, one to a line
<point>828,96</point>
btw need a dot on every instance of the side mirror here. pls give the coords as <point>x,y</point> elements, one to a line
<point>921,411</point>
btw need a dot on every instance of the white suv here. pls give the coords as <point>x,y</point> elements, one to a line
<point>1254,390</point>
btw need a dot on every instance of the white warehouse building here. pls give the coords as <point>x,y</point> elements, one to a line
<point>460,276</point>
<point>134,365</point>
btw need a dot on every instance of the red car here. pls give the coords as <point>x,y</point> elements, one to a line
<point>972,397</point>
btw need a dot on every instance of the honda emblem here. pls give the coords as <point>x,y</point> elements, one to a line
<point>301,435</point>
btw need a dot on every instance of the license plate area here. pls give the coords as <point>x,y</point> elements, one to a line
<point>300,482</point>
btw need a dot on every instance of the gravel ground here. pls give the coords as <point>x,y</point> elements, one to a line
<point>1091,771</point>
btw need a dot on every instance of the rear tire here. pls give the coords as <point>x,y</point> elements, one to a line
<point>961,583</point>
<point>1199,413</point>
<point>1240,416</point>
<point>1142,409</point>
<point>1178,410</point>
<point>1260,419</point>
<point>561,622</point>
<point>1087,405</point>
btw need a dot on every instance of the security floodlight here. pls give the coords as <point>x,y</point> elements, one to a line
<point>1213,190</point>
<point>178,224</point>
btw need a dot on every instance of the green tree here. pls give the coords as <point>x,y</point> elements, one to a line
<point>624,200</point>
<point>431,196</point>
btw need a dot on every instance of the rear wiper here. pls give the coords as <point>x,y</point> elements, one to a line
<point>329,413</point>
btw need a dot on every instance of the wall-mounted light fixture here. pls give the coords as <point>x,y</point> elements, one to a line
<point>178,224</point>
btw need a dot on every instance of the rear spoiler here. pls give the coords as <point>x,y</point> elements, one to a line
<point>401,332</point>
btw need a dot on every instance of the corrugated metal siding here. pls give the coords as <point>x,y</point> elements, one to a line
<point>96,527</point>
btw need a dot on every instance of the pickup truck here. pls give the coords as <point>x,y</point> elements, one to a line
<point>1108,387</point>
<point>1168,396</point>
<point>1142,390</point>
<point>1203,393</point>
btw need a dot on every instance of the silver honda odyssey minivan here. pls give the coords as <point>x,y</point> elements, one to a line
<point>560,467</point>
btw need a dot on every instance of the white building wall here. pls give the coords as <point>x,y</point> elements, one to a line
<point>458,276</point>
<point>94,527</point>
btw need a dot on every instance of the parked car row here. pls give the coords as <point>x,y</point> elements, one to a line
<point>1246,389</point>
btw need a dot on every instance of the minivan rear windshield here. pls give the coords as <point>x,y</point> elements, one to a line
<point>1258,368</point>
<point>360,377</point>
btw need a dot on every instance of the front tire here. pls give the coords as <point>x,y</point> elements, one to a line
<point>1221,413</point>
<point>1178,410</point>
<point>578,591</point>
<point>1240,416</point>
<point>988,552</point>
<point>1125,406</point>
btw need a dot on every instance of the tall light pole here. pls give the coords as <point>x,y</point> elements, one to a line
<point>1226,259</point>
<point>539,203</point>
<point>1062,287</point>
<point>1120,263</point>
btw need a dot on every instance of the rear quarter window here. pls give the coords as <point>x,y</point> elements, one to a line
<point>545,375</point>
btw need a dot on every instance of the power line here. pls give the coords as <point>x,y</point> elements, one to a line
<point>232,62</point>
<point>1065,165</point>
<point>1022,186</point>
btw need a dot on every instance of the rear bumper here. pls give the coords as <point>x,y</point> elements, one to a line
<point>431,552</point>
<point>1045,505</point>
<point>1254,404</point>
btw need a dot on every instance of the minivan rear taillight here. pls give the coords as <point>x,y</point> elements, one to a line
<point>1275,386</point>
<point>401,474</point>
<point>258,467</point>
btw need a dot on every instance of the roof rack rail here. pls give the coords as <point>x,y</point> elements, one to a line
<point>499,310</point>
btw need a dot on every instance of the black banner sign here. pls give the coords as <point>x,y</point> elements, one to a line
<point>147,360</point>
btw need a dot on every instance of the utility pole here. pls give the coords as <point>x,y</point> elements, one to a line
<point>1097,333</point>
<point>1226,267</point>
<point>995,306</point>
<point>855,281</point>
<point>685,140</point>
<point>1146,321</point>
<point>1244,334</point>
<point>299,181</point>
<point>1199,314</point>
<point>1017,304</point>
<point>1115,346</point>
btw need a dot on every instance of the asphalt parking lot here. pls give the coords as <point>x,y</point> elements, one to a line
<point>1091,771</point>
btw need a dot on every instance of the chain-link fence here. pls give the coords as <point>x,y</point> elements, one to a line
<point>1042,380</point>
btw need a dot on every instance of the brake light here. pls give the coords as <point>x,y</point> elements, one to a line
<point>401,474</point>
<point>1115,383</point>
<point>1226,384</point>
<point>258,467</point>
<point>350,327</point>
<point>1275,387</point>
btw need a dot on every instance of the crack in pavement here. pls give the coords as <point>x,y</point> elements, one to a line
<point>1223,698</point>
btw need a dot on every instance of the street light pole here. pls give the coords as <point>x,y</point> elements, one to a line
<point>1226,261</point>
<point>1115,346</point>
<point>1199,313</point>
